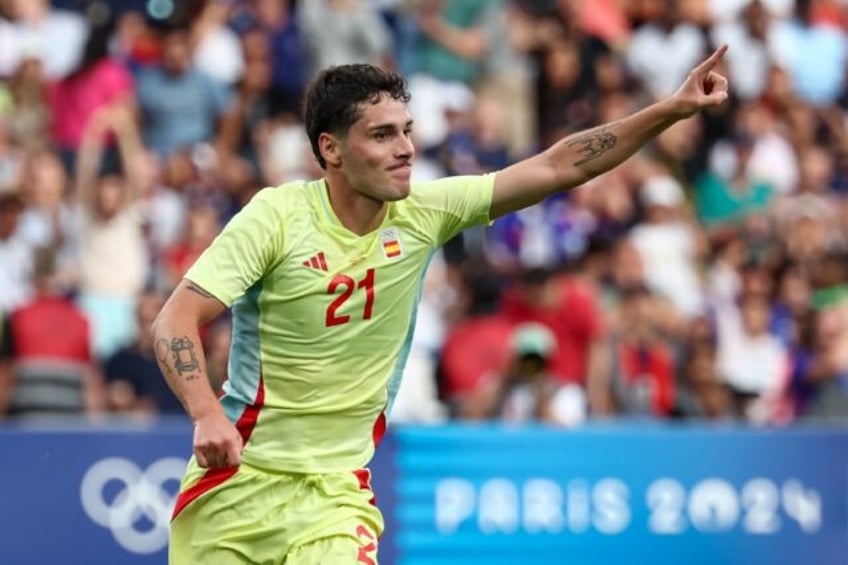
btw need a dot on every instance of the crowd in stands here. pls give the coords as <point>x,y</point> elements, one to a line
<point>705,279</point>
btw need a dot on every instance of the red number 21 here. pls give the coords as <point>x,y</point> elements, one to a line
<point>348,286</point>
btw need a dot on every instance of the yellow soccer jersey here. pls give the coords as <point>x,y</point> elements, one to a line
<point>322,317</point>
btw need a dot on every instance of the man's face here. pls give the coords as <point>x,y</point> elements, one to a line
<point>176,52</point>
<point>376,154</point>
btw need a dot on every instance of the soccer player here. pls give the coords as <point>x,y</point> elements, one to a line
<point>323,279</point>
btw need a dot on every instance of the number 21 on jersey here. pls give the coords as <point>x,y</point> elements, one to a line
<point>348,286</point>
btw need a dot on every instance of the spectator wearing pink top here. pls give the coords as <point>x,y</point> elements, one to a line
<point>99,82</point>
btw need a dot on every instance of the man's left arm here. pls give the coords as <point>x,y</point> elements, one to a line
<point>577,158</point>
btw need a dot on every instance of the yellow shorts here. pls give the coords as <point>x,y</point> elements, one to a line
<point>249,515</point>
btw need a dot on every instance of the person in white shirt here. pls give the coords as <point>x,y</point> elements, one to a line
<point>35,30</point>
<point>669,246</point>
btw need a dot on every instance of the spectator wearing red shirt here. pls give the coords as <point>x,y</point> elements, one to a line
<point>568,306</point>
<point>641,363</point>
<point>201,227</point>
<point>45,353</point>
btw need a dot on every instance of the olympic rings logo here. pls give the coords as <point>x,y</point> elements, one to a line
<point>139,515</point>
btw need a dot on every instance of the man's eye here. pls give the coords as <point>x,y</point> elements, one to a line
<point>381,136</point>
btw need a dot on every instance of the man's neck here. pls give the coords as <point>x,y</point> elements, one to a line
<point>357,212</point>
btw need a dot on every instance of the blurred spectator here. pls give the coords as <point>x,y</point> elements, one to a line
<point>669,246</point>
<point>288,64</point>
<point>28,118</point>
<point>477,144</point>
<point>448,57</point>
<point>814,54</point>
<point>664,48</point>
<point>526,391</point>
<point>722,202</point>
<point>476,339</point>
<point>544,235</point>
<point>11,157</point>
<point>48,218</point>
<point>359,33</point>
<point>249,113</point>
<point>135,42</point>
<point>216,49</point>
<point>752,361</point>
<point>507,76</point>
<point>827,374</point>
<point>722,11</point>
<point>134,383</point>
<point>163,208</point>
<point>567,305</point>
<point>284,152</point>
<point>453,41</point>
<point>640,372</point>
<point>201,228</point>
<point>566,91</point>
<point>180,105</point>
<point>47,364</point>
<point>98,82</point>
<point>16,255</point>
<point>113,255</point>
<point>749,59</point>
<point>702,394</point>
<point>35,30</point>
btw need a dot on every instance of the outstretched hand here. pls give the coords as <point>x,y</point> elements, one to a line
<point>704,87</point>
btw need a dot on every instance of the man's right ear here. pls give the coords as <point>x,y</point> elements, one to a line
<point>330,149</point>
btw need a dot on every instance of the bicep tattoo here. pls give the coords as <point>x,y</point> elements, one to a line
<point>593,144</point>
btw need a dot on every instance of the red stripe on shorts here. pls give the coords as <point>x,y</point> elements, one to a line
<point>364,477</point>
<point>216,476</point>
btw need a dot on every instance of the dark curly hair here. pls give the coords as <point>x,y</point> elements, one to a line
<point>334,100</point>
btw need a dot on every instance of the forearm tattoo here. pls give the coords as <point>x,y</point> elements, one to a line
<point>178,358</point>
<point>194,288</point>
<point>593,144</point>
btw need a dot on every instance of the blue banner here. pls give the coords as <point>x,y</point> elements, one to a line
<point>458,494</point>
<point>636,495</point>
<point>102,495</point>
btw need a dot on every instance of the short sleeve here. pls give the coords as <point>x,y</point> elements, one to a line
<point>245,250</point>
<point>447,206</point>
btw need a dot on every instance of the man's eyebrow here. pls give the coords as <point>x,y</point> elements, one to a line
<point>388,127</point>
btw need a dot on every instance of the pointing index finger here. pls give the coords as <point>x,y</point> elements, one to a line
<point>712,60</point>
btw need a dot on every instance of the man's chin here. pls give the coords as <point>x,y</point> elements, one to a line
<point>400,192</point>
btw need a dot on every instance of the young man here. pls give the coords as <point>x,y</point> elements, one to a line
<point>322,278</point>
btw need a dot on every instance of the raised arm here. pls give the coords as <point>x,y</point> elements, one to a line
<point>180,356</point>
<point>89,157</point>
<point>124,123</point>
<point>584,155</point>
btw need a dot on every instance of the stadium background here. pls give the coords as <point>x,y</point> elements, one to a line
<point>651,369</point>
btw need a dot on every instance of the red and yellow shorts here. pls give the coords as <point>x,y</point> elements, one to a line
<point>249,515</point>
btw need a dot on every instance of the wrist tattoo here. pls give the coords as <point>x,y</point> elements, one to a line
<point>593,144</point>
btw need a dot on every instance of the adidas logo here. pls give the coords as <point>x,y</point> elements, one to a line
<point>316,262</point>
